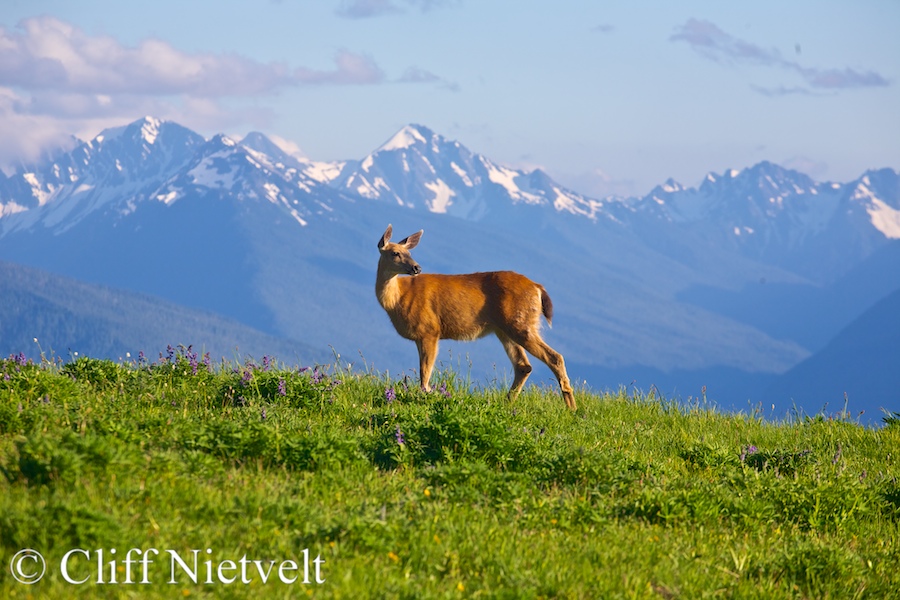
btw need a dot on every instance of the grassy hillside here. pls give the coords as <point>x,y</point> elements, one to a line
<point>392,493</point>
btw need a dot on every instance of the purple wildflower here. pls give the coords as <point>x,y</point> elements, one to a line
<point>170,353</point>
<point>263,415</point>
<point>206,360</point>
<point>751,449</point>
<point>21,359</point>
<point>317,377</point>
<point>266,362</point>
<point>389,395</point>
<point>282,387</point>
<point>399,437</point>
<point>443,390</point>
<point>141,357</point>
<point>246,377</point>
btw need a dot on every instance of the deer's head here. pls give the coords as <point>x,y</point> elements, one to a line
<point>395,257</point>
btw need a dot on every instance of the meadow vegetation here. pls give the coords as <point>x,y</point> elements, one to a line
<point>457,493</point>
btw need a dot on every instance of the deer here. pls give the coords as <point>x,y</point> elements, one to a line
<point>429,307</point>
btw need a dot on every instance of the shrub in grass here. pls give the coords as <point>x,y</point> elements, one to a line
<point>102,375</point>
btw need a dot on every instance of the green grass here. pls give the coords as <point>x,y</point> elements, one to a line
<point>629,497</point>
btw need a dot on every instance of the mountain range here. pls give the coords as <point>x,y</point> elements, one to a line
<point>730,285</point>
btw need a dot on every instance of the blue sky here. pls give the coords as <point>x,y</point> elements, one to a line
<point>607,97</point>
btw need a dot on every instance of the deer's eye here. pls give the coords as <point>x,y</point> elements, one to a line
<point>396,254</point>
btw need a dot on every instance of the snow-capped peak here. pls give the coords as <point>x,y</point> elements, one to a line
<point>150,129</point>
<point>262,143</point>
<point>146,130</point>
<point>224,140</point>
<point>406,137</point>
<point>671,186</point>
<point>876,193</point>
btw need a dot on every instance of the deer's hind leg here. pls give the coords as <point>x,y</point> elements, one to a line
<point>539,349</point>
<point>521,366</point>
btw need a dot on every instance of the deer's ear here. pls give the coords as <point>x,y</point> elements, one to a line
<point>412,241</point>
<point>386,237</point>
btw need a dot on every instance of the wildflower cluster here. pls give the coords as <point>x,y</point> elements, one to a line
<point>182,358</point>
<point>265,381</point>
<point>402,390</point>
<point>14,364</point>
<point>748,451</point>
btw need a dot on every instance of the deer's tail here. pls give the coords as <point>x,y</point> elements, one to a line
<point>546,306</point>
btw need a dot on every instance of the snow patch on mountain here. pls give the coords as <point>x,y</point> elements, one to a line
<point>442,196</point>
<point>577,205</point>
<point>212,173</point>
<point>464,177</point>
<point>11,208</point>
<point>885,219</point>
<point>41,195</point>
<point>167,198</point>
<point>298,218</point>
<point>323,172</point>
<point>150,129</point>
<point>506,178</point>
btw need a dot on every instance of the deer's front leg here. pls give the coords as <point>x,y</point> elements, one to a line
<point>428,349</point>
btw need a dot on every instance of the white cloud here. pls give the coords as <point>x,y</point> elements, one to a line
<point>287,146</point>
<point>49,54</point>
<point>366,9</point>
<point>711,42</point>
<point>57,80</point>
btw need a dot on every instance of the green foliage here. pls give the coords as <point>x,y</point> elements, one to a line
<point>781,461</point>
<point>453,493</point>
<point>101,374</point>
